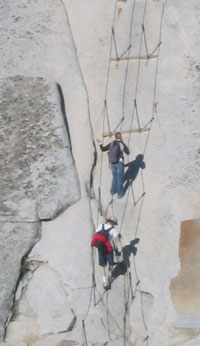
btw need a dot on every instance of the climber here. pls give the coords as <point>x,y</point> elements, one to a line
<point>105,236</point>
<point>116,158</point>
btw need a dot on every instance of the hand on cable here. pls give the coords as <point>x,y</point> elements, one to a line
<point>117,252</point>
<point>99,142</point>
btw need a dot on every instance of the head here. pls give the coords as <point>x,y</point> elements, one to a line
<point>112,221</point>
<point>118,136</point>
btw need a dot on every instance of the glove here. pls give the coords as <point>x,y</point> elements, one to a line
<point>99,142</point>
<point>117,252</point>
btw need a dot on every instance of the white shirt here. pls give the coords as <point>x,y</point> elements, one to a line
<point>112,233</point>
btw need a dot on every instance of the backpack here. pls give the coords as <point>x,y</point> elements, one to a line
<point>114,152</point>
<point>101,240</point>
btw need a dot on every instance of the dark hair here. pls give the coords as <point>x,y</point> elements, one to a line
<point>117,134</point>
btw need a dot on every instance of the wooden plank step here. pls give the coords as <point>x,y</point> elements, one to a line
<point>112,133</point>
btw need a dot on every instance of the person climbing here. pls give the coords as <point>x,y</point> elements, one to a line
<point>103,238</point>
<point>116,158</point>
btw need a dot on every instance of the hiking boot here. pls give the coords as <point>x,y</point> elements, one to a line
<point>106,286</point>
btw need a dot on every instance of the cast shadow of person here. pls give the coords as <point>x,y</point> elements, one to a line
<point>128,250</point>
<point>132,171</point>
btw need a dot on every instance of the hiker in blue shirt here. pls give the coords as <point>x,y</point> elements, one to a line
<point>116,150</point>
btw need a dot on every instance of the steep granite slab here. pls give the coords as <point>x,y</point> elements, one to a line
<point>43,309</point>
<point>16,239</point>
<point>38,176</point>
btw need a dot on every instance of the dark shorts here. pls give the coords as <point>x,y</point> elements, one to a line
<point>105,257</point>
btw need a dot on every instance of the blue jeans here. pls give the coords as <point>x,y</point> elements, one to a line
<point>117,182</point>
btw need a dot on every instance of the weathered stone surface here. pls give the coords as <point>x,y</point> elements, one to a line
<point>48,301</point>
<point>140,312</point>
<point>13,344</point>
<point>36,40</point>
<point>38,178</point>
<point>16,239</point>
<point>57,340</point>
<point>193,342</point>
<point>172,159</point>
<point>26,331</point>
<point>65,244</point>
<point>116,343</point>
<point>185,288</point>
<point>38,175</point>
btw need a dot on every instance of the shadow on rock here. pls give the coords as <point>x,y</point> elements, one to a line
<point>128,250</point>
<point>132,171</point>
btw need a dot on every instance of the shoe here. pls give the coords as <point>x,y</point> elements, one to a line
<point>106,286</point>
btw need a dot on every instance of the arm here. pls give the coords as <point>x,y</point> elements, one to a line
<point>105,147</point>
<point>117,245</point>
<point>126,149</point>
<point>118,237</point>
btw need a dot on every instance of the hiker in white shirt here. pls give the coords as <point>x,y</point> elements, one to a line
<point>107,256</point>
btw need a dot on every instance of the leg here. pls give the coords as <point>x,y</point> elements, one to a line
<point>103,271</point>
<point>110,268</point>
<point>113,189</point>
<point>102,264</point>
<point>103,274</point>
<point>119,178</point>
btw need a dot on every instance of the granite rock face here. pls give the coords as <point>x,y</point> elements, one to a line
<point>70,41</point>
<point>16,239</point>
<point>39,178</point>
<point>43,309</point>
<point>18,344</point>
<point>38,175</point>
<point>52,310</point>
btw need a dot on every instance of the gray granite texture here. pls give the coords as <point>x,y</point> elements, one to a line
<point>38,175</point>
<point>16,240</point>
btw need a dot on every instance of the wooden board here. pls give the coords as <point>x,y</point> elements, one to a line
<point>112,133</point>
